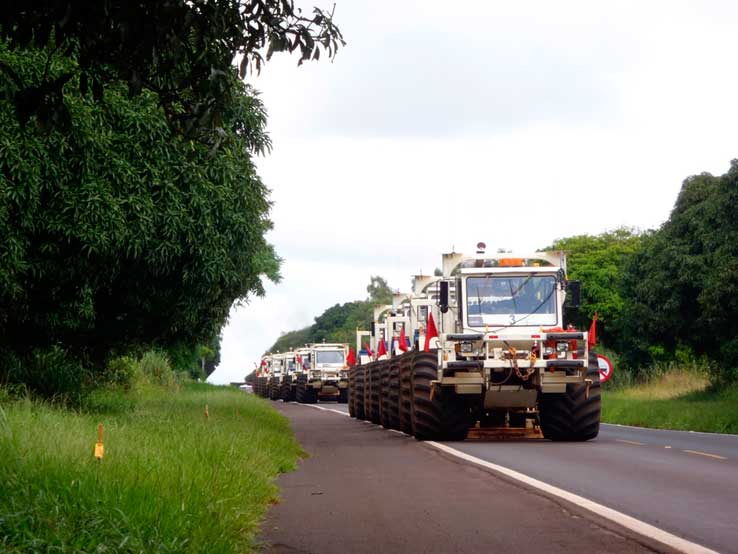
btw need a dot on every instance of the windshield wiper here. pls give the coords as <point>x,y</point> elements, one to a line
<point>512,295</point>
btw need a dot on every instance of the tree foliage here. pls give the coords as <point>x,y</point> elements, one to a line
<point>598,261</point>
<point>379,291</point>
<point>181,50</point>
<point>339,323</point>
<point>117,234</point>
<point>682,285</point>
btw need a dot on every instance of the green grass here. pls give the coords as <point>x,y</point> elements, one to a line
<point>674,400</point>
<point>171,480</point>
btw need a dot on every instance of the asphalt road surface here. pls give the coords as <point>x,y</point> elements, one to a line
<point>366,489</point>
<point>683,482</point>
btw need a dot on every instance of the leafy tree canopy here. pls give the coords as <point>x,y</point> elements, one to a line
<point>117,233</point>
<point>379,291</point>
<point>683,284</point>
<point>598,261</point>
<point>181,50</point>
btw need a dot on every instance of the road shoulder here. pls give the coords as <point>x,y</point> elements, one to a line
<point>364,489</point>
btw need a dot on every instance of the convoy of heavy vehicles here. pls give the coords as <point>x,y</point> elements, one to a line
<point>307,374</point>
<point>486,344</point>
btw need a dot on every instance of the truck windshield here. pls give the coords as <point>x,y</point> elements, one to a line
<point>329,357</point>
<point>503,300</point>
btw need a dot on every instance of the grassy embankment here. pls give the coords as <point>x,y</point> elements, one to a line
<point>171,479</point>
<point>676,399</point>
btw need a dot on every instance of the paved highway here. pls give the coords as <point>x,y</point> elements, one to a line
<point>367,490</point>
<point>684,483</point>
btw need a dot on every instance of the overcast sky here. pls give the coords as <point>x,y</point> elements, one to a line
<point>442,124</point>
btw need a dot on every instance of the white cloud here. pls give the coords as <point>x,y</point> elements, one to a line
<point>514,124</point>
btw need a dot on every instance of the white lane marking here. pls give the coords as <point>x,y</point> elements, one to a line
<point>635,443</point>
<point>668,430</point>
<point>636,525</point>
<point>707,454</point>
<point>324,409</point>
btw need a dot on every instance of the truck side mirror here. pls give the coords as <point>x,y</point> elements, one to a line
<point>443,296</point>
<point>574,293</point>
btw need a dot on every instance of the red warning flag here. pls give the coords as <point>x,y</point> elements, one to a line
<point>430,332</point>
<point>592,336</point>
<point>368,350</point>
<point>403,340</point>
<point>381,349</point>
<point>351,358</point>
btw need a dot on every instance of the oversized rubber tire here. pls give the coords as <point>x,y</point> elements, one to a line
<point>572,416</point>
<point>342,397</point>
<point>368,391</point>
<point>359,394</point>
<point>445,415</point>
<point>406,393</point>
<point>300,390</point>
<point>352,392</point>
<point>374,392</point>
<point>393,394</point>
<point>275,390</point>
<point>384,408</point>
<point>287,391</point>
<point>305,394</point>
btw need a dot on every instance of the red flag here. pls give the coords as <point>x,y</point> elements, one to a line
<point>430,332</point>
<point>298,359</point>
<point>592,336</point>
<point>381,349</point>
<point>403,340</point>
<point>368,350</point>
<point>351,358</point>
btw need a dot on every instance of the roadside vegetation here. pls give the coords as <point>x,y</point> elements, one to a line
<point>673,398</point>
<point>132,218</point>
<point>172,480</point>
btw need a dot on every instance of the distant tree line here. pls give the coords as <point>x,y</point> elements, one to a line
<point>339,323</point>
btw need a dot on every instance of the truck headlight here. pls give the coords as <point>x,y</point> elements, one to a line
<point>467,347</point>
<point>548,350</point>
<point>562,347</point>
<point>344,374</point>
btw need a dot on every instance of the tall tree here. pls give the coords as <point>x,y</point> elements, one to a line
<point>379,291</point>
<point>683,285</point>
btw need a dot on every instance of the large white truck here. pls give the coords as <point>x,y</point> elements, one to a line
<point>504,354</point>
<point>324,374</point>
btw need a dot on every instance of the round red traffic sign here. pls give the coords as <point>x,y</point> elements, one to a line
<point>605,367</point>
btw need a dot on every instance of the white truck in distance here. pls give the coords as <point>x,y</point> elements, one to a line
<point>316,371</point>
<point>325,374</point>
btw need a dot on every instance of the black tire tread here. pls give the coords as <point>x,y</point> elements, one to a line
<point>443,417</point>
<point>571,416</point>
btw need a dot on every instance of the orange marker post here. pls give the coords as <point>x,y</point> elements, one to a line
<point>99,447</point>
